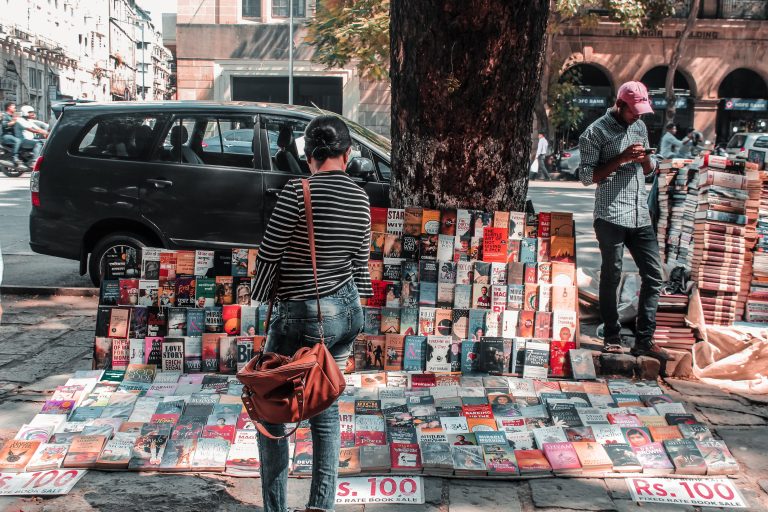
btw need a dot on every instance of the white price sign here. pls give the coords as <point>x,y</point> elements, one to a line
<point>701,492</point>
<point>47,483</point>
<point>380,489</point>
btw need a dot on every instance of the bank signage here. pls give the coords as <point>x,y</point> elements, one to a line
<point>590,101</point>
<point>661,103</point>
<point>754,105</point>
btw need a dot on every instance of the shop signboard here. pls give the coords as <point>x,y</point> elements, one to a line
<point>752,105</point>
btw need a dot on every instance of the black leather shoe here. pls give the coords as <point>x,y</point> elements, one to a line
<point>652,351</point>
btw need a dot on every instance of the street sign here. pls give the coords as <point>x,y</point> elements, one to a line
<point>40,483</point>
<point>700,492</point>
<point>378,489</point>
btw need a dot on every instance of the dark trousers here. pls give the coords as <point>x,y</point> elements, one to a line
<point>644,249</point>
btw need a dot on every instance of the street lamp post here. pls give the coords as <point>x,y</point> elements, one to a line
<point>290,52</point>
<point>143,65</point>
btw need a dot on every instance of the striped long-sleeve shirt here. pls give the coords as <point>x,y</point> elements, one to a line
<point>342,219</point>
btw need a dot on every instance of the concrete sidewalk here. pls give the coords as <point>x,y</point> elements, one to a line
<point>44,339</point>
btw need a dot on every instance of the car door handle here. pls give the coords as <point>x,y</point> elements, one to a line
<point>273,191</point>
<point>160,183</point>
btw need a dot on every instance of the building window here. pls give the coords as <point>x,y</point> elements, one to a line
<point>280,8</point>
<point>744,9</point>
<point>251,8</point>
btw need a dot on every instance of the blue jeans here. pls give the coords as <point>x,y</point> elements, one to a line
<point>14,141</point>
<point>644,248</point>
<point>35,145</point>
<point>294,325</point>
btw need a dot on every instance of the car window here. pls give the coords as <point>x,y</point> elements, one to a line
<point>281,158</point>
<point>385,171</point>
<point>737,141</point>
<point>761,142</point>
<point>207,140</point>
<point>123,137</point>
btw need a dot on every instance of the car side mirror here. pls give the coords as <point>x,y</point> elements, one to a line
<point>360,167</point>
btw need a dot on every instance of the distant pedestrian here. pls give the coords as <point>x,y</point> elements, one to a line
<point>670,144</point>
<point>615,156</point>
<point>541,154</point>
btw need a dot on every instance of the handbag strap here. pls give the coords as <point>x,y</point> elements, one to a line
<point>298,391</point>
<point>313,255</point>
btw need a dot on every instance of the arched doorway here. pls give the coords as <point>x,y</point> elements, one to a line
<point>743,105</point>
<point>596,96</point>
<point>654,80</point>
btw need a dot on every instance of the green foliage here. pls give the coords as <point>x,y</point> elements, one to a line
<point>564,115</point>
<point>344,31</point>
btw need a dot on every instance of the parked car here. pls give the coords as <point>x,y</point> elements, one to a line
<point>569,163</point>
<point>741,143</point>
<point>115,177</point>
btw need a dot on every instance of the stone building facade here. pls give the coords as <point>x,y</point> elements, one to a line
<point>246,58</point>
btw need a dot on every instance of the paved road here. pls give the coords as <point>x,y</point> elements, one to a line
<point>23,267</point>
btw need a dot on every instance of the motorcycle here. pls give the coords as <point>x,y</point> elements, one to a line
<point>8,167</point>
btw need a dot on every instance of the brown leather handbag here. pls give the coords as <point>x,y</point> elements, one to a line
<point>290,389</point>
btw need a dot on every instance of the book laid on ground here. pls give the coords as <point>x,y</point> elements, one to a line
<point>623,459</point>
<point>468,460</point>
<point>532,462</point>
<point>718,457</point>
<point>654,459</point>
<point>686,457</point>
<point>16,454</point>
<point>593,457</point>
<point>562,457</point>
<point>84,451</point>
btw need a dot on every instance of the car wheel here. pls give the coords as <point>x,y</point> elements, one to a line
<point>12,172</point>
<point>125,246</point>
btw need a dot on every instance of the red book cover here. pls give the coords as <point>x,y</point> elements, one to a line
<point>559,363</point>
<point>495,244</point>
<point>477,411</point>
<point>405,457</point>
<point>378,219</point>
<point>531,275</point>
<point>226,432</point>
<point>129,292</point>
<point>545,222</point>
<point>231,317</point>
<point>525,324</point>
<point>423,380</point>
<point>379,298</point>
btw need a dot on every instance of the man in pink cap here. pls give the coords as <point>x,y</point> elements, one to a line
<point>615,155</point>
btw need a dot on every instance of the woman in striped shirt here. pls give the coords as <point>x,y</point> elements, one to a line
<point>342,222</point>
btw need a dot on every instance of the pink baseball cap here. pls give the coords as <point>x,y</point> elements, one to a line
<point>635,95</point>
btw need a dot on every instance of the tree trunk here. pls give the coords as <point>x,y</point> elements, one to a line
<point>540,107</point>
<point>690,23</point>
<point>465,75</point>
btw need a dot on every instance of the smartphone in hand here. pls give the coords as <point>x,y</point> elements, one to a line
<point>650,151</point>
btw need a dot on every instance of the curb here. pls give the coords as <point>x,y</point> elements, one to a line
<point>49,291</point>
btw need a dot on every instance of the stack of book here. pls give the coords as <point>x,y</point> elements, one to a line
<point>673,191</point>
<point>720,240</point>
<point>464,283</point>
<point>452,425</point>
<point>672,332</point>
<point>757,300</point>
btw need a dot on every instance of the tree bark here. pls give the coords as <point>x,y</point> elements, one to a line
<point>465,75</point>
<point>677,54</point>
<point>540,107</point>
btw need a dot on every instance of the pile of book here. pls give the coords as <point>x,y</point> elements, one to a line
<point>184,311</point>
<point>145,420</point>
<point>757,300</point>
<point>445,278</point>
<point>672,332</point>
<point>673,182</point>
<point>724,230</point>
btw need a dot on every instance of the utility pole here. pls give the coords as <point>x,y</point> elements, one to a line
<point>290,52</point>
<point>143,64</point>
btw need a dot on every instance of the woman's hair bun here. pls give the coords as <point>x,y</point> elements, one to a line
<point>326,137</point>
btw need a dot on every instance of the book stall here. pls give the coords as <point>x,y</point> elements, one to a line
<point>468,366</point>
<point>713,222</point>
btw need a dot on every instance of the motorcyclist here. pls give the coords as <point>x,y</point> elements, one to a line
<point>31,130</point>
<point>9,121</point>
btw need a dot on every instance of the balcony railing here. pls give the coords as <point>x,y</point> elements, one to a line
<point>744,9</point>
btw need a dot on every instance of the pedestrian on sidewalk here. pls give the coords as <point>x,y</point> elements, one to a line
<point>670,144</point>
<point>615,155</point>
<point>342,227</point>
<point>541,154</point>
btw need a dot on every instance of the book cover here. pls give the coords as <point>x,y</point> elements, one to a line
<point>395,218</point>
<point>372,320</point>
<point>443,322</point>
<point>654,459</point>
<point>492,355</point>
<point>415,352</point>
<point>210,454</point>
<point>718,457</point>
<point>437,358</point>
<point>118,322</point>
<point>427,321</point>
<point>394,344</point>
<point>84,451</point>
<point>685,456</point>
<point>150,263</point>
<point>495,244</point>
<point>623,459</point>
<point>462,296</point>
<point>477,323</point>
<point>532,462</point>
<point>562,457</point>
<point>528,250</point>
<point>205,292</point>
<point>582,364</point>
<point>465,272</point>
<point>16,454</point>
<point>536,360</point>
<point>177,321</point>
<point>405,457</point>
<point>468,459</point>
